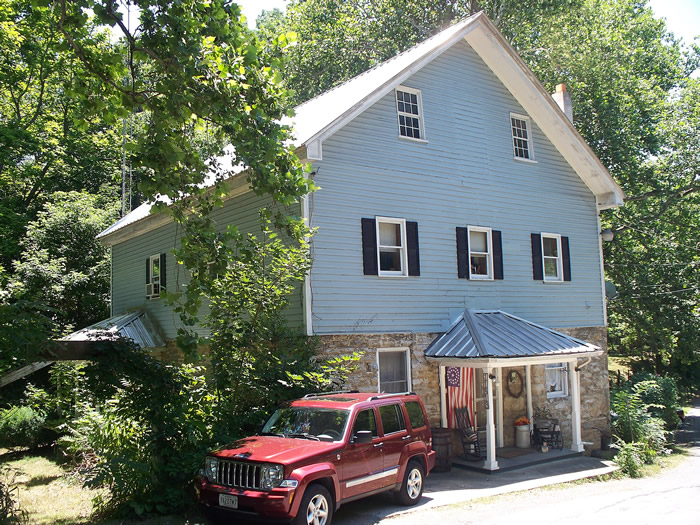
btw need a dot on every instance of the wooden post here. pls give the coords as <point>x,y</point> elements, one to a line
<point>490,463</point>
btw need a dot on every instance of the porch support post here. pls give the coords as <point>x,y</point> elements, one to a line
<point>499,406</point>
<point>576,443</point>
<point>528,395</point>
<point>490,463</point>
<point>443,397</point>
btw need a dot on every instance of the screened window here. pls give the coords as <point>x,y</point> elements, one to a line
<point>394,375</point>
<point>392,418</point>
<point>480,253</point>
<point>556,380</point>
<point>391,247</point>
<point>551,257</point>
<point>155,268</point>
<point>408,106</point>
<point>522,141</point>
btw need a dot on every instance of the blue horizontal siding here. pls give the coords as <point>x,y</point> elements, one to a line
<point>465,174</point>
<point>129,266</point>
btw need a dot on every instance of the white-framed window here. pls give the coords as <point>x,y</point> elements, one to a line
<point>556,379</point>
<point>393,370</point>
<point>522,139</point>
<point>391,247</point>
<point>153,277</point>
<point>552,257</point>
<point>480,253</point>
<point>409,108</point>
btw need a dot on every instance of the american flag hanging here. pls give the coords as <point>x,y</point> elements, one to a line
<point>460,384</point>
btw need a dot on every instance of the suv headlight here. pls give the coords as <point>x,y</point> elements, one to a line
<point>272,476</point>
<point>210,465</point>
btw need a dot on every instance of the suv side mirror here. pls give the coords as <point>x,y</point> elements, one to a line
<point>362,437</point>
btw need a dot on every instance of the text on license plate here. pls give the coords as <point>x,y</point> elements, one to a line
<point>226,500</point>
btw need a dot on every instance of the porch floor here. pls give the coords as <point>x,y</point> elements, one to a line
<point>530,457</point>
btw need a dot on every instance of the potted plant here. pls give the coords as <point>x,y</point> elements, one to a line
<point>522,432</point>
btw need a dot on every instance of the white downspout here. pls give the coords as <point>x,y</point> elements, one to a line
<point>574,379</point>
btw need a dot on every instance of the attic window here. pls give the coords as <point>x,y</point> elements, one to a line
<point>522,141</point>
<point>410,113</point>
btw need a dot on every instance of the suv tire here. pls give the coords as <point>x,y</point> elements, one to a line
<point>412,486</point>
<point>316,507</point>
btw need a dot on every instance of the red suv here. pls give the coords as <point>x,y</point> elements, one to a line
<point>316,453</point>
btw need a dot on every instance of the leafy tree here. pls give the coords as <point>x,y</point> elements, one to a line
<point>50,139</point>
<point>62,265</point>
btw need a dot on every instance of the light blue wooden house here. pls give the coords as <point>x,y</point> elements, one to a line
<point>458,226</point>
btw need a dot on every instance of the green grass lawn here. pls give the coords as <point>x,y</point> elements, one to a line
<point>50,496</point>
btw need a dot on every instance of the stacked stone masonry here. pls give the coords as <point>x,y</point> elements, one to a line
<point>425,381</point>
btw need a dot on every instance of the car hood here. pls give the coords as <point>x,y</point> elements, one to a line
<point>274,449</point>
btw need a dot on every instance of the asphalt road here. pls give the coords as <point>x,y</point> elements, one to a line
<point>672,497</point>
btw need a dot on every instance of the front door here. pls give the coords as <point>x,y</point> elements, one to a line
<point>481,399</point>
<point>363,462</point>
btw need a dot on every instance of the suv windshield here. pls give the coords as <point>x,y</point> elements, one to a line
<point>323,424</point>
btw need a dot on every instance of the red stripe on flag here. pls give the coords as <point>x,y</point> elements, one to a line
<point>460,396</point>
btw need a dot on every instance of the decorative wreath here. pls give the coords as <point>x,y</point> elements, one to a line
<point>514,383</point>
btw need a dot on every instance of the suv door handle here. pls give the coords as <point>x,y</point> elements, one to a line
<point>377,445</point>
<point>406,437</point>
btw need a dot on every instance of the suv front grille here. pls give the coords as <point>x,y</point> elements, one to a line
<point>238,474</point>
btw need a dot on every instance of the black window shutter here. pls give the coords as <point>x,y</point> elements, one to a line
<point>462,253</point>
<point>566,258</point>
<point>148,270</point>
<point>369,247</point>
<point>497,254</point>
<point>163,273</point>
<point>537,270</point>
<point>412,246</point>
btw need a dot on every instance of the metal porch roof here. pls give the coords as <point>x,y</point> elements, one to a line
<point>496,334</point>
<point>136,326</point>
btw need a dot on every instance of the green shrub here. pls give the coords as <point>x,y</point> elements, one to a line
<point>20,426</point>
<point>629,459</point>
<point>660,394</point>
<point>10,513</point>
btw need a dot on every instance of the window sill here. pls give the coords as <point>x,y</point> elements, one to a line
<point>552,281</point>
<point>411,139</point>
<point>557,396</point>
<point>477,278</point>
<point>392,275</point>
<point>528,161</point>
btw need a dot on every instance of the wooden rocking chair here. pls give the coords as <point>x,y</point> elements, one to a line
<point>468,434</point>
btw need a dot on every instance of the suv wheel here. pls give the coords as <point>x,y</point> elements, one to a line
<point>316,508</point>
<point>412,486</point>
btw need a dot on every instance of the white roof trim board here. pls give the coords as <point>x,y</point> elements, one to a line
<point>136,326</point>
<point>322,116</point>
<point>489,335</point>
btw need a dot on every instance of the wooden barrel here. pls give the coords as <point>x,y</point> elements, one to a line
<point>442,440</point>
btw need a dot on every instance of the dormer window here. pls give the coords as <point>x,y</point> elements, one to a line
<point>522,141</point>
<point>410,113</point>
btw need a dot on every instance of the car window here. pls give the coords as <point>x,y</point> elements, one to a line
<point>415,414</point>
<point>392,418</point>
<point>365,421</point>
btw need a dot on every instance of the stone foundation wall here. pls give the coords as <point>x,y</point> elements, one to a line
<point>424,375</point>
<point>425,380</point>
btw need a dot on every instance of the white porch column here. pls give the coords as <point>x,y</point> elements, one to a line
<point>490,463</point>
<point>499,406</point>
<point>528,395</point>
<point>443,398</point>
<point>576,443</point>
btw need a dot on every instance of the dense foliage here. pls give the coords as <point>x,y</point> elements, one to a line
<point>20,427</point>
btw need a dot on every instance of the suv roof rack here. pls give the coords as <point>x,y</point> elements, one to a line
<point>394,394</point>
<point>319,394</point>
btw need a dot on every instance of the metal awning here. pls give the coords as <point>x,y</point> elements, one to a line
<point>136,326</point>
<point>490,335</point>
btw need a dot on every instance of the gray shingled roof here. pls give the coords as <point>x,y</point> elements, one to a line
<point>136,326</point>
<point>495,334</point>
